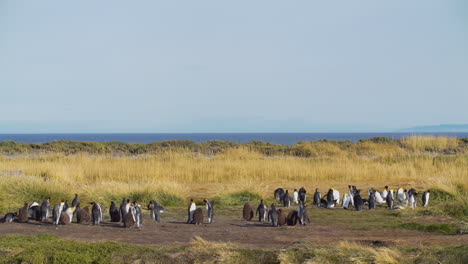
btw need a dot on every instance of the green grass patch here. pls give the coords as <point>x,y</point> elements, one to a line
<point>237,198</point>
<point>439,228</point>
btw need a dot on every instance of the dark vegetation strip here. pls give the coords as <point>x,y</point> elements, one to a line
<point>301,149</point>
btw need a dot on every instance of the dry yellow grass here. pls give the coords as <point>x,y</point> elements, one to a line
<point>429,143</point>
<point>188,174</point>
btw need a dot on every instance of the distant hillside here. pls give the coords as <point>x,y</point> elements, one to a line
<point>438,128</point>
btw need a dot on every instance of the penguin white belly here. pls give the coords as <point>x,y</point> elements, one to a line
<point>346,201</point>
<point>378,198</point>
<point>384,194</point>
<point>336,196</point>
<point>427,200</point>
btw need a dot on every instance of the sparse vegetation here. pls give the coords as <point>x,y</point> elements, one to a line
<point>51,249</point>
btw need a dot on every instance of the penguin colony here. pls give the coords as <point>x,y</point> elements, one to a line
<point>129,213</point>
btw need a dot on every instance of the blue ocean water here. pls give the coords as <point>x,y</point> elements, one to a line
<point>278,138</point>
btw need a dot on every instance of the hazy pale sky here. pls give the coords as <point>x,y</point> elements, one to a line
<point>232,66</point>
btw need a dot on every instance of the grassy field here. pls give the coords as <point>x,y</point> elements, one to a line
<point>171,172</point>
<point>51,249</point>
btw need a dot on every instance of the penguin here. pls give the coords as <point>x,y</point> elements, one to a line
<point>411,191</point>
<point>191,210</point>
<point>83,215</point>
<point>77,212</point>
<point>156,210</point>
<point>384,193</point>
<point>57,212</point>
<point>247,212</point>
<point>295,196</point>
<point>302,213</point>
<point>378,198</point>
<point>198,216</point>
<point>425,198</point>
<point>69,212</point>
<point>330,199</point>
<point>273,215</point>
<point>9,217</point>
<point>317,196</point>
<point>282,217</point>
<point>209,211</point>
<point>138,214</point>
<point>123,209</point>
<point>76,201</point>
<point>262,212</point>
<point>64,219</point>
<point>32,211</point>
<point>351,193</point>
<point>286,199</point>
<point>400,195</point>
<point>389,199</point>
<point>372,201</point>
<point>45,207</point>
<point>292,219</point>
<point>413,198</point>
<point>358,203</point>
<point>129,219</point>
<point>336,196</point>
<point>114,213</point>
<point>278,194</point>
<point>65,206</point>
<point>96,213</point>
<point>302,195</point>
<point>23,214</point>
<point>346,201</point>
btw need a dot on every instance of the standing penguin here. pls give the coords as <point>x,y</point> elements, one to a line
<point>198,216</point>
<point>273,216</point>
<point>123,209</point>
<point>292,218</point>
<point>96,213</point>
<point>358,202</point>
<point>138,214</point>
<point>282,217</point>
<point>346,201</point>
<point>330,199</point>
<point>23,214</point>
<point>76,201</point>
<point>191,210</point>
<point>114,213</point>
<point>425,198</point>
<point>262,211</point>
<point>129,219</point>
<point>378,197</point>
<point>69,212</point>
<point>336,197</point>
<point>209,211</point>
<point>384,192</point>
<point>156,210</point>
<point>295,196</point>
<point>83,215</point>
<point>317,197</point>
<point>279,193</point>
<point>45,207</point>
<point>302,195</point>
<point>389,199</point>
<point>413,199</point>
<point>286,199</point>
<point>57,212</point>
<point>247,212</point>
<point>302,213</point>
<point>372,202</point>
<point>351,193</point>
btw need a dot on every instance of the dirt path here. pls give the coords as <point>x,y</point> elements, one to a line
<point>252,234</point>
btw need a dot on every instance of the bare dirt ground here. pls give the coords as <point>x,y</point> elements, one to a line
<point>329,228</point>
